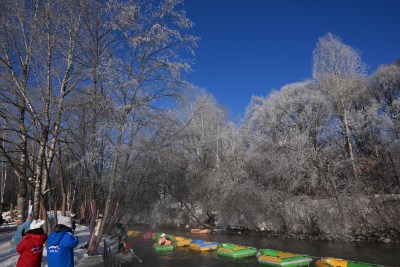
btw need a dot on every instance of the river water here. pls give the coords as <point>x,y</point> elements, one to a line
<point>374,253</point>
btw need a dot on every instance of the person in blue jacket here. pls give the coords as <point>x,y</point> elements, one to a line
<point>60,247</point>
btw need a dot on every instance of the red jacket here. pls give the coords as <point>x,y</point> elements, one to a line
<point>31,248</point>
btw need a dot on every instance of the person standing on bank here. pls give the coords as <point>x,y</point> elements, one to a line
<point>31,246</point>
<point>120,233</point>
<point>98,223</point>
<point>60,247</point>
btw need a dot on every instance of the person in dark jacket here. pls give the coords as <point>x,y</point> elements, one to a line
<point>120,234</point>
<point>31,246</point>
<point>60,247</point>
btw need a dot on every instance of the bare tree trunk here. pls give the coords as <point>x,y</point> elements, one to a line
<point>3,177</point>
<point>217,159</point>
<point>93,209</point>
<point>21,174</point>
<point>45,217</point>
<point>348,139</point>
<point>111,188</point>
<point>22,189</point>
<point>38,179</point>
<point>114,219</point>
<point>21,202</point>
<point>55,213</point>
<point>62,182</point>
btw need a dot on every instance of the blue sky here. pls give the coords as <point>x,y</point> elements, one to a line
<point>250,47</point>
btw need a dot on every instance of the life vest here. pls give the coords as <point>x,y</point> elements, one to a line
<point>164,241</point>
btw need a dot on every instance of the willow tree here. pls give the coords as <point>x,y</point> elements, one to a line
<point>146,72</point>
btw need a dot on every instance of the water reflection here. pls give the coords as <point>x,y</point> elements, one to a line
<point>375,253</point>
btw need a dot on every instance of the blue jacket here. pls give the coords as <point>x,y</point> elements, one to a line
<point>60,247</point>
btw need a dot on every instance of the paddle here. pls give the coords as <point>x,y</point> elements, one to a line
<point>136,256</point>
<point>130,250</point>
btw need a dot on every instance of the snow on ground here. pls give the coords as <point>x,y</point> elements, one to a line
<point>9,259</point>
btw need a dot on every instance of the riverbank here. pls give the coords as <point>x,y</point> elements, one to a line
<point>348,218</point>
<point>384,236</point>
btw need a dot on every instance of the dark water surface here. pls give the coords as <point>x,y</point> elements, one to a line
<point>375,253</point>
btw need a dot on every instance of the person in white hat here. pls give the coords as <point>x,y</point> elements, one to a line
<point>60,247</point>
<point>31,246</point>
<point>164,240</point>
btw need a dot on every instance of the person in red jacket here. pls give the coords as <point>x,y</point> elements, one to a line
<point>31,246</point>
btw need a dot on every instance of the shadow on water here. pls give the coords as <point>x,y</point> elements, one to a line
<point>374,253</point>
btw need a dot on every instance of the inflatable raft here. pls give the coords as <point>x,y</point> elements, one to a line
<point>201,245</point>
<point>334,262</point>
<point>182,241</point>
<point>162,248</point>
<point>235,251</point>
<point>200,231</point>
<point>148,235</point>
<point>281,258</point>
<point>133,233</point>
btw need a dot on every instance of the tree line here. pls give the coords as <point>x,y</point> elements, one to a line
<point>95,106</point>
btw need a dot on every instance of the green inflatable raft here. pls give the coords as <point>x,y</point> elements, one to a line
<point>162,248</point>
<point>278,258</point>
<point>235,251</point>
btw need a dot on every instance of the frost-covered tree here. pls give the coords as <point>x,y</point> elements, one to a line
<point>199,150</point>
<point>17,46</point>
<point>147,70</point>
<point>39,69</point>
<point>338,68</point>
<point>386,90</point>
<point>289,131</point>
